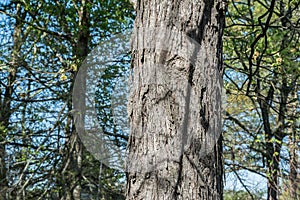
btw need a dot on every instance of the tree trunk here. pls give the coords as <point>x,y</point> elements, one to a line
<point>294,157</point>
<point>75,145</point>
<point>294,182</point>
<point>6,103</point>
<point>174,104</point>
<point>285,19</point>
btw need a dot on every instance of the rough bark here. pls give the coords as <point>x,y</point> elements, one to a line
<point>174,101</point>
<point>294,179</point>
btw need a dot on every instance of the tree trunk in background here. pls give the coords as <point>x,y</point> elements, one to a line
<point>173,101</point>
<point>5,104</point>
<point>294,182</point>
<point>75,145</point>
<point>294,179</point>
<point>293,190</point>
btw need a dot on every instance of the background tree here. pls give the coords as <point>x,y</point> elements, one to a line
<point>42,46</point>
<point>262,80</point>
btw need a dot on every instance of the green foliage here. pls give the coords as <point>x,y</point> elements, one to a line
<point>41,52</point>
<point>261,55</point>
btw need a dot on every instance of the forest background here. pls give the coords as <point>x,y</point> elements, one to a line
<point>43,45</point>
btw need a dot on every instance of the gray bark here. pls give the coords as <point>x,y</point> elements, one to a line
<point>174,104</point>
